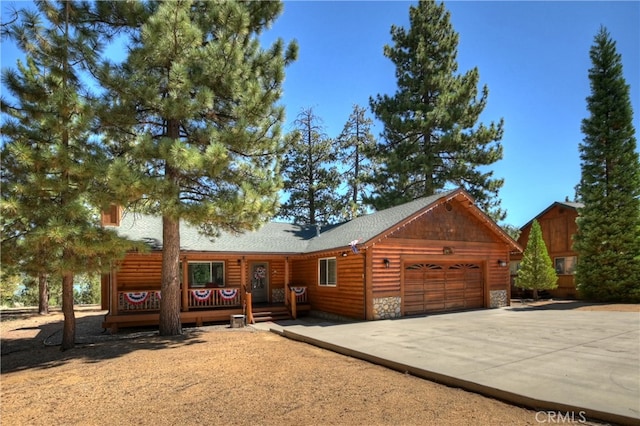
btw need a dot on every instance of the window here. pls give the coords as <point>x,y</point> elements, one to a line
<point>514,267</point>
<point>565,265</point>
<point>206,274</point>
<point>327,271</point>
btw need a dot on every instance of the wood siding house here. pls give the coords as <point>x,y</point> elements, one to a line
<point>558,225</point>
<point>435,254</point>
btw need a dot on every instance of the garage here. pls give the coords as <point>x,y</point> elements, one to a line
<point>440,287</point>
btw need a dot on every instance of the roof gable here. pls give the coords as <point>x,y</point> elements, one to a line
<point>366,228</point>
<point>557,204</point>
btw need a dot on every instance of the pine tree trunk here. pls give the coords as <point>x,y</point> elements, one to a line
<point>170,324</point>
<point>535,294</point>
<point>69,327</point>
<point>43,294</point>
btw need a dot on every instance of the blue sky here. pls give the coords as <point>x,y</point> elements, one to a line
<point>533,56</point>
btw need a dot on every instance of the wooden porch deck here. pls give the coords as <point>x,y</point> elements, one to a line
<point>266,312</point>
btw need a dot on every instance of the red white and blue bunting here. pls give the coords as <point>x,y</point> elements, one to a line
<point>136,298</point>
<point>228,294</point>
<point>299,291</point>
<point>201,295</point>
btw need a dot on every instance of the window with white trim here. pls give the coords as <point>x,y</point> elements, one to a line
<point>327,275</point>
<point>206,274</point>
<point>565,265</point>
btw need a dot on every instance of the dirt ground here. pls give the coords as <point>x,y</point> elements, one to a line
<point>216,375</point>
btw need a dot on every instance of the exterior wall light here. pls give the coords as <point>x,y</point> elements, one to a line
<point>502,263</point>
<point>387,262</point>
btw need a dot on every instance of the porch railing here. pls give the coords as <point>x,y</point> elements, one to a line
<point>149,300</point>
<point>214,297</point>
<point>138,300</point>
<point>300,293</point>
<point>297,294</point>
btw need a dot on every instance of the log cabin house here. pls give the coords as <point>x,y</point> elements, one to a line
<point>558,225</point>
<point>434,254</point>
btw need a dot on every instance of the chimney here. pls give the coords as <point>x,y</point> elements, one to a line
<point>111,216</point>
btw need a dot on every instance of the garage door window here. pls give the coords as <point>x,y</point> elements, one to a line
<point>327,271</point>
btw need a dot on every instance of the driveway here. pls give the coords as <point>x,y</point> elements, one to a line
<point>574,364</point>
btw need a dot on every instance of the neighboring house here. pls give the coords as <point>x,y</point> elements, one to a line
<point>558,224</point>
<point>435,254</point>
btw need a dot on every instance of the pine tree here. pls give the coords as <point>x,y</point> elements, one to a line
<point>431,140</point>
<point>192,117</point>
<point>536,270</point>
<point>311,177</point>
<point>50,159</point>
<point>608,237</point>
<point>356,144</point>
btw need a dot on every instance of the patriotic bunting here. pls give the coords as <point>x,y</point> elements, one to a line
<point>299,291</point>
<point>201,295</point>
<point>136,298</point>
<point>228,294</point>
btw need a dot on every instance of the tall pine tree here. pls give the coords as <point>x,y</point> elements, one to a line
<point>608,237</point>
<point>311,177</point>
<point>356,144</point>
<point>193,119</point>
<point>50,159</point>
<point>431,140</point>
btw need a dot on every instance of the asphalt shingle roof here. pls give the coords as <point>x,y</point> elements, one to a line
<point>275,237</point>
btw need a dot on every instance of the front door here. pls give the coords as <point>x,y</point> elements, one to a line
<point>260,282</point>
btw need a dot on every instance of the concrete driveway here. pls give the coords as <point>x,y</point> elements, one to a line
<point>574,363</point>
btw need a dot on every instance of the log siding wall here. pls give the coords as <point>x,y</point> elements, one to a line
<point>346,298</point>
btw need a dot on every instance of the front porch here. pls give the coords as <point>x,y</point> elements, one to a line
<point>134,308</point>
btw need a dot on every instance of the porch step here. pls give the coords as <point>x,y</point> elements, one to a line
<point>271,316</point>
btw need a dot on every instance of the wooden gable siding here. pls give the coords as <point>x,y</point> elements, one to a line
<point>347,297</point>
<point>446,222</point>
<point>558,226</point>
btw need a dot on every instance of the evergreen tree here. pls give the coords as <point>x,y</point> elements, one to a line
<point>10,282</point>
<point>430,139</point>
<point>311,177</point>
<point>536,270</point>
<point>608,237</point>
<point>512,230</point>
<point>192,117</point>
<point>356,144</point>
<point>49,156</point>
